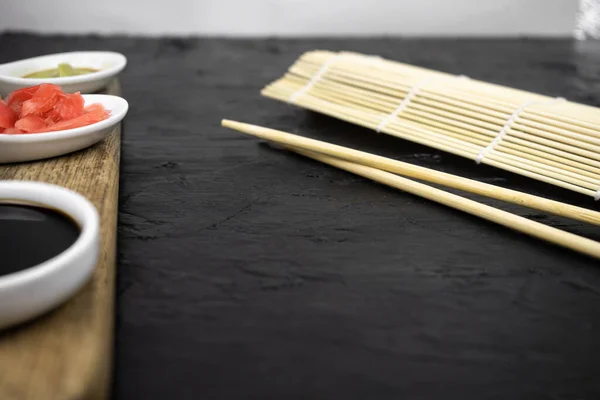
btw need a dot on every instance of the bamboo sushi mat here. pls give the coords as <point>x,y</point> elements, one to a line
<point>548,139</point>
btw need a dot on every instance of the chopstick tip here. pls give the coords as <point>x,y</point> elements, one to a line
<point>236,125</point>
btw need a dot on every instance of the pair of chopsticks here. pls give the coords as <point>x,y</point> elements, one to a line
<point>386,171</point>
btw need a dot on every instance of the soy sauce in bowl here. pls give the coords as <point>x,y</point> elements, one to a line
<point>49,248</point>
<point>31,235</point>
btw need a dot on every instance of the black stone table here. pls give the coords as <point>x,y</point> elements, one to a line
<point>248,273</point>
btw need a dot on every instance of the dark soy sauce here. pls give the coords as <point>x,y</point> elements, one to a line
<point>30,235</point>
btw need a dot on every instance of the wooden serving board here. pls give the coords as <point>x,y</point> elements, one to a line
<point>67,354</point>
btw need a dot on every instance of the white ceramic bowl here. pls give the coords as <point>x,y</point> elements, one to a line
<point>36,146</point>
<point>108,63</point>
<point>31,292</point>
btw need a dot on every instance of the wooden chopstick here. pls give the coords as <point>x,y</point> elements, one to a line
<point>417,172</point>
<point>512,221</point>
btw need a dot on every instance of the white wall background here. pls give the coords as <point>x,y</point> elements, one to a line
<point>293,17</point>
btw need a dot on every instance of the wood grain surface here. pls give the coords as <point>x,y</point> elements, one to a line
<point>67,354</point>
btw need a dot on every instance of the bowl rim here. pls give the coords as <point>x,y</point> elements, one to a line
<point>87,217</point>
<point>117,115</point>
<point>66,80</point>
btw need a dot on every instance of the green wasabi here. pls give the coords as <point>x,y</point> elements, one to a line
<point>63,70</point>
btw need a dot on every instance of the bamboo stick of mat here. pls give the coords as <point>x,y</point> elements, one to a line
<point>417,172</point>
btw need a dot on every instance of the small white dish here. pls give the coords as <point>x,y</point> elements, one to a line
<point>37,146</point>
<point>109,65</point>
<point>31,292</point>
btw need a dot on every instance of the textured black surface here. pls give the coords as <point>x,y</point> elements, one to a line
<point>248,273</point>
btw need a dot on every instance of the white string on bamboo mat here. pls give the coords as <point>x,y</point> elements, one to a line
<point>511,120</point>
<point>411,94</point>
<point>313,80</point>
<point>404,103</point>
